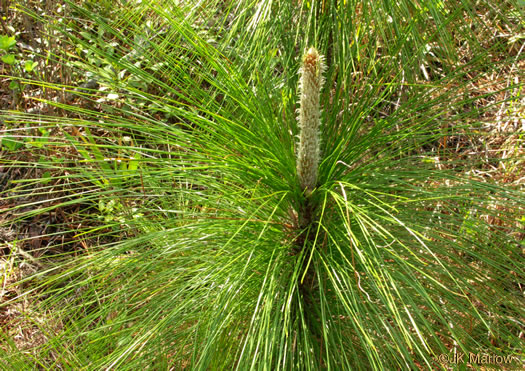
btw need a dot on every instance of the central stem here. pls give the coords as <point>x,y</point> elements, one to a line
<point>309,119</point>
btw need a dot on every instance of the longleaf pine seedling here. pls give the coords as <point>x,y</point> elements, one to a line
<point>195,187</point>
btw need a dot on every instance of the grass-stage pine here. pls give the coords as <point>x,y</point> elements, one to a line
<point>172,210</point>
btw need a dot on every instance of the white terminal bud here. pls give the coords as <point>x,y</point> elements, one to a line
<point>310,84</point>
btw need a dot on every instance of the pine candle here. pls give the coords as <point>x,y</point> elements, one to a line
<point>310,84</point>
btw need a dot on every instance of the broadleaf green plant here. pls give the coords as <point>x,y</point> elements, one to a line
<point>221,256</point>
